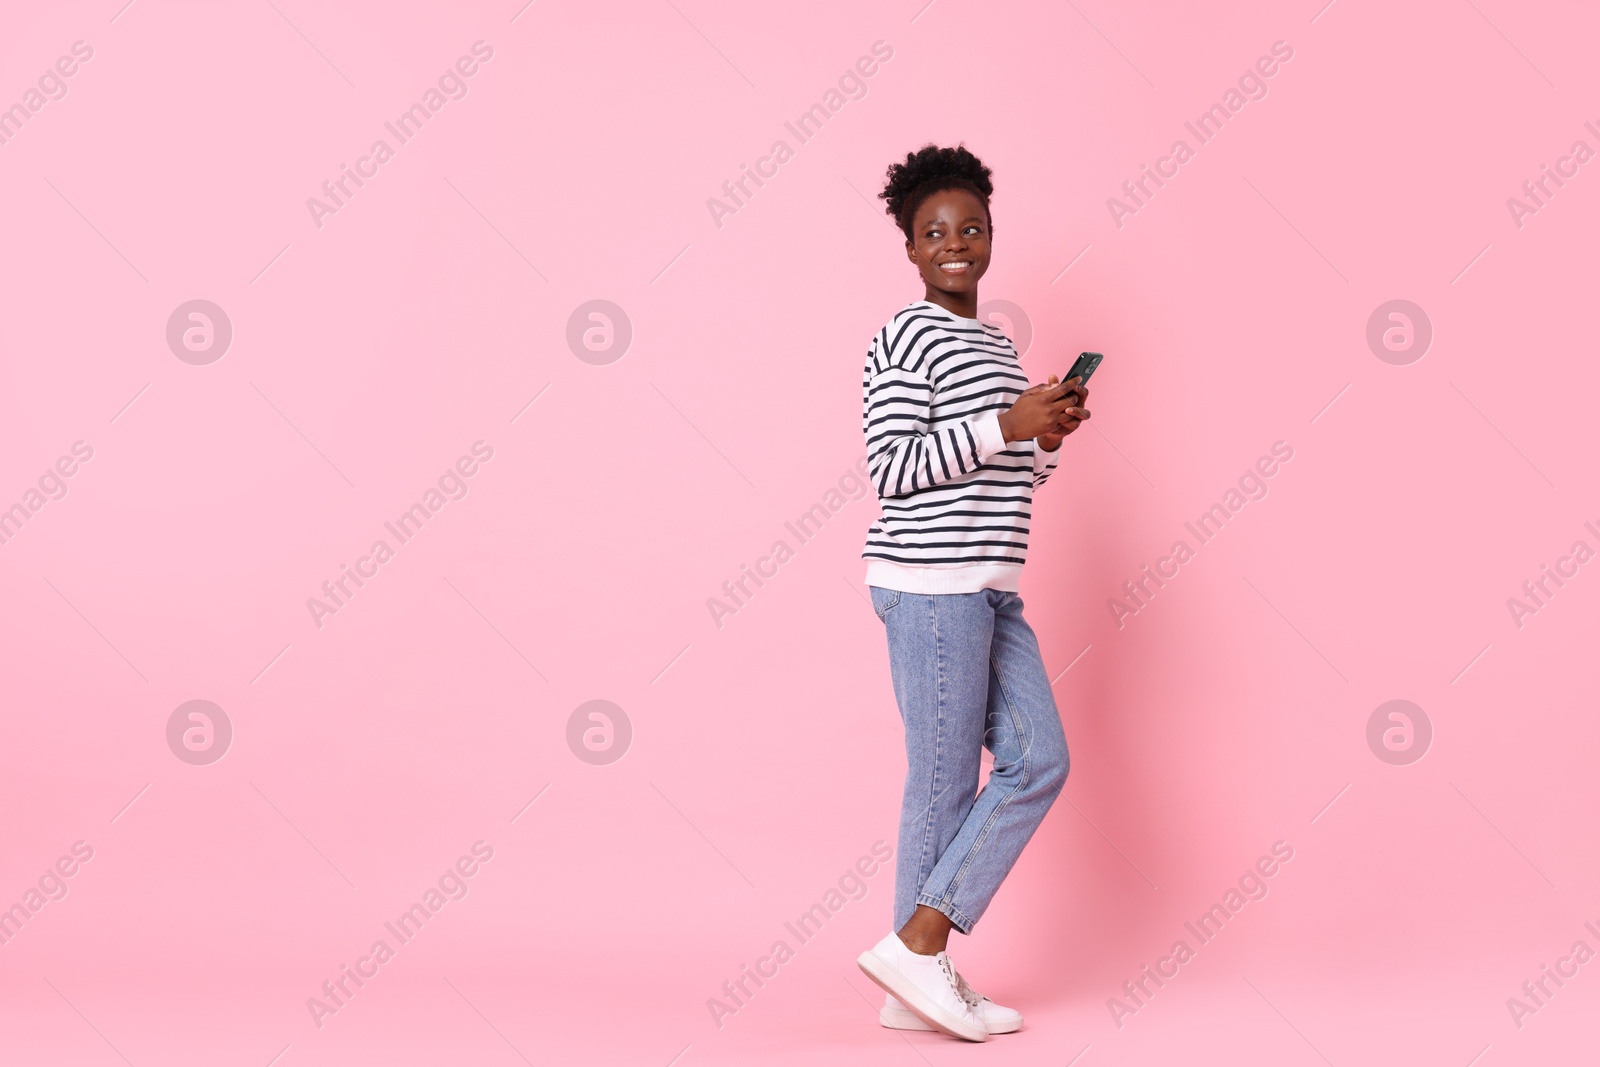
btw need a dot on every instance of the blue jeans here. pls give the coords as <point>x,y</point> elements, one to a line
<point>968,676</point>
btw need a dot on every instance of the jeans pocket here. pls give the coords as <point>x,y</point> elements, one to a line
<point>883,600</point>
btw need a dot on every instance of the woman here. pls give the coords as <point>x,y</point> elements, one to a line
<point>957,441</point>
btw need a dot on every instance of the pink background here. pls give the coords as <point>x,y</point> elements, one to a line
<point>370,353</point>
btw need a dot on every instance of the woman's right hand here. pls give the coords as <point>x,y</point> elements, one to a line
<point>1039,410</point>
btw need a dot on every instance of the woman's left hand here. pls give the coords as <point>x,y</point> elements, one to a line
<point>1076,416</point>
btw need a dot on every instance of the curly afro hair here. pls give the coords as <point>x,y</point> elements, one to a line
<point>928,170</point>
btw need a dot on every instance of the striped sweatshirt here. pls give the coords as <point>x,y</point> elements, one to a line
<point>956,498</point>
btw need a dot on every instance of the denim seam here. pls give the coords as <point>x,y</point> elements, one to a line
<point>994,816</point>
<point>948,909</point>
<point>924,868</point>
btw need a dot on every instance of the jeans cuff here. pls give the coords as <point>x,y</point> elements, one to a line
<point>949,911</point>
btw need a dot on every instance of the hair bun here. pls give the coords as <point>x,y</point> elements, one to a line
<point>928,170</point>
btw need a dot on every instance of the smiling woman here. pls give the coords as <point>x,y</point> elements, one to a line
<point>957,442</point>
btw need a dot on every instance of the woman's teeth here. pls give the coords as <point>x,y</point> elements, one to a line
<point>955,268</point>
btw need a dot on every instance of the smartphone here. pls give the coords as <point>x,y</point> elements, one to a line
<point>1083,366</point>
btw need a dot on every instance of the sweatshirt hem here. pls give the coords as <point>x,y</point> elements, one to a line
<point>939,579</point>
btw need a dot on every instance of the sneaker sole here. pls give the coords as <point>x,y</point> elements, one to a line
<point>901,1019</point>
<point>890,981</point>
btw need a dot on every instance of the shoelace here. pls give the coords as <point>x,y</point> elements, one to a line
<point>959,984</point>
<point>950,975</point>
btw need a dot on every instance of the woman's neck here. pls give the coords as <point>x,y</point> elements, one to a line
<point>963,304</point>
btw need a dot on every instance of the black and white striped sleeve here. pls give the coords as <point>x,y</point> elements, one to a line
<point>1045,462</point>
<point>903,454</point>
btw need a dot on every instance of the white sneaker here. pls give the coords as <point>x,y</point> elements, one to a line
<point>997,1019</point>
<point>926,986</point>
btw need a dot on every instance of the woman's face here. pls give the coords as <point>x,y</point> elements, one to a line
<point>950,243</point>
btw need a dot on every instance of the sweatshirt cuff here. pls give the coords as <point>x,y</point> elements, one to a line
<point>1043,460</point>
<point>991,439</point>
